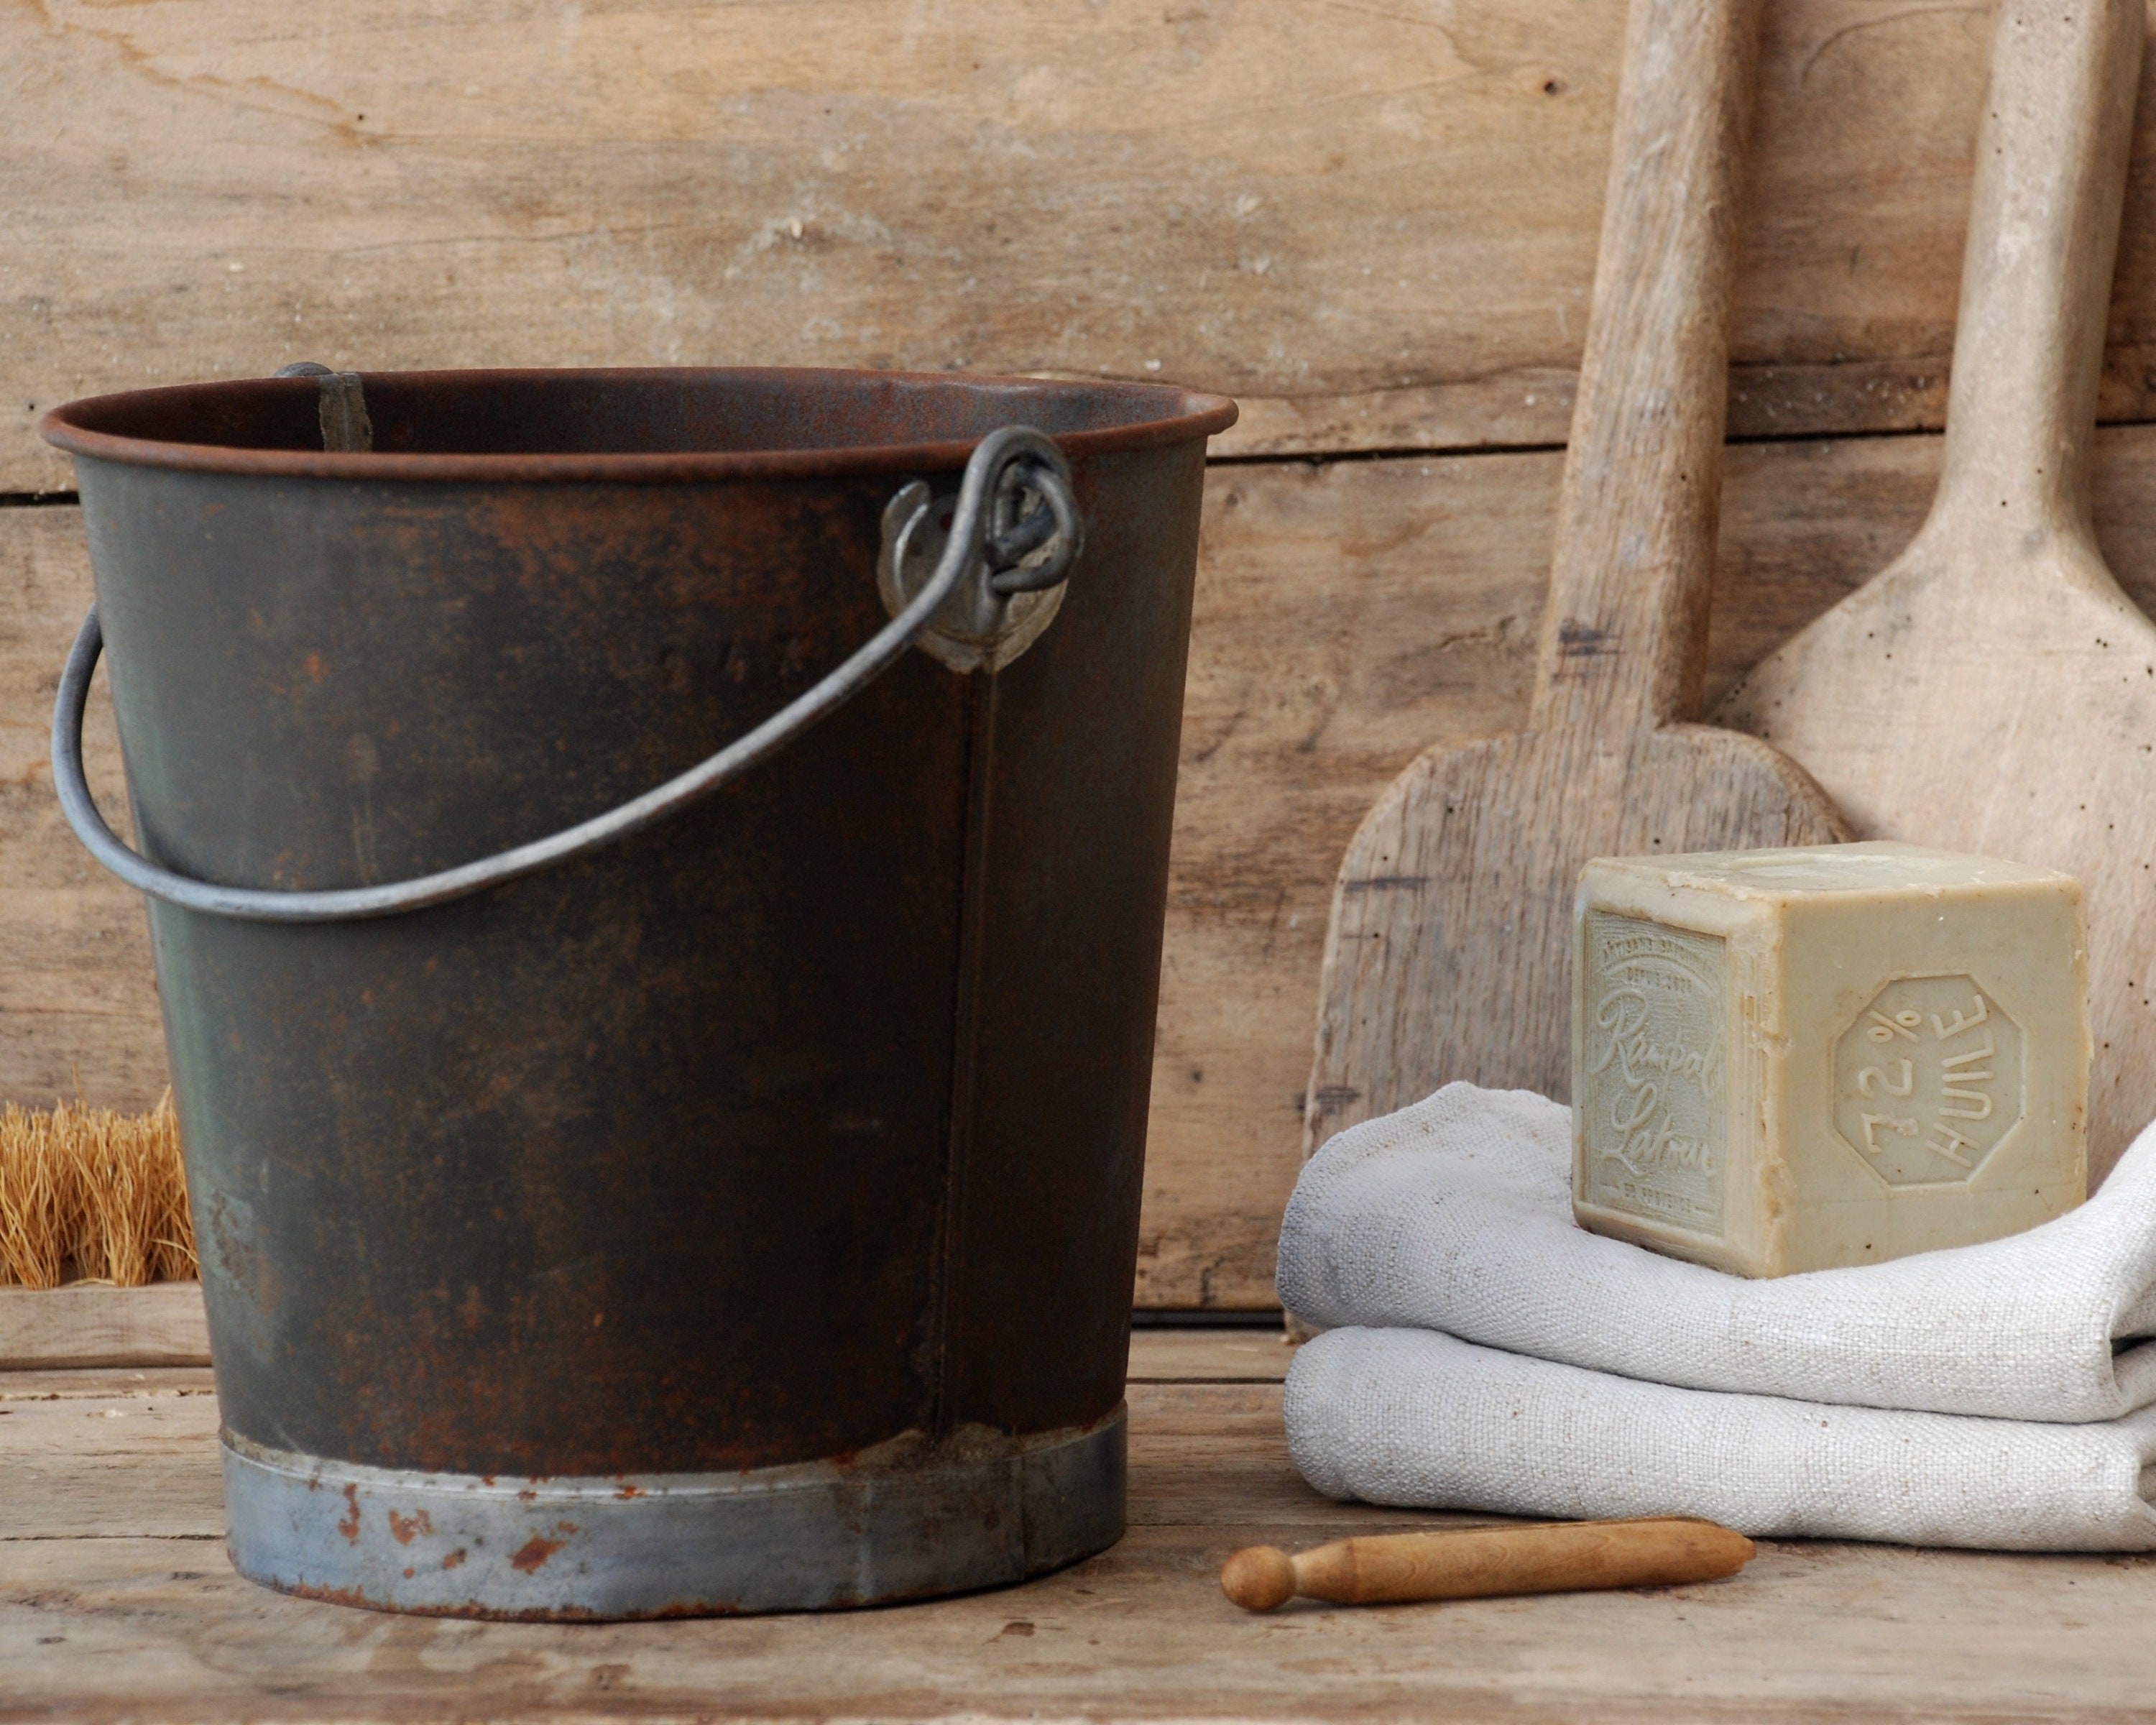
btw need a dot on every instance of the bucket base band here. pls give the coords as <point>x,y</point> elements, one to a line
<point>900,1521</point>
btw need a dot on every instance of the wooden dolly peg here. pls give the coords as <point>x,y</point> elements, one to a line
<point>1475,1563</point>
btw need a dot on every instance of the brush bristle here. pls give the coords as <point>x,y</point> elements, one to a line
<point>87,1195</point>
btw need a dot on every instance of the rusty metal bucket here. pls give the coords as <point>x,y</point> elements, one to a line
<point>651,1156</point>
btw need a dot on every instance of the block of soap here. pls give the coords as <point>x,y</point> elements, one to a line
<point>1798,1059</point>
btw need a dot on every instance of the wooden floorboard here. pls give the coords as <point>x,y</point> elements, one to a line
<point>117,1601</point>
<point>46,1385</point>
<point>1197,1355</point>
<point>161,1325</point>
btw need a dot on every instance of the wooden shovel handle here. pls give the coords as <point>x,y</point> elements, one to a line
<point>1474,1563</point>
<point>1624,643</point>
<point>2043,236</point>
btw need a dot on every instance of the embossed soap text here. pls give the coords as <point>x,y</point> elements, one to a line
<point>1652,1068</point>
<point>1621,1015</point>
<point>1934,1067</point>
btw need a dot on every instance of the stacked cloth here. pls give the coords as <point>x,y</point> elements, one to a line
<point>1481,1351</point>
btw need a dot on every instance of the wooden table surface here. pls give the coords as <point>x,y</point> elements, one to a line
<point>117,1600</point>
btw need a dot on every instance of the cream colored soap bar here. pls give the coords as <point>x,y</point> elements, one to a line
<point>1795,1060</point>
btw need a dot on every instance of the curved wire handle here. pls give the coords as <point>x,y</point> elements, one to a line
<point>1039,468</point>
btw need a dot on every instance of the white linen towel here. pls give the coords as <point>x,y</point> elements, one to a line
<point>1456,1214</point>
<point>1413,1418</point>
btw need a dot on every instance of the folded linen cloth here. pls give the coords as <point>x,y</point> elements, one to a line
<point>1413,1418</point>
<point>1456,1214</point>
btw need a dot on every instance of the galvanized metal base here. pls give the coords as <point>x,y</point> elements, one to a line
<point>904,1521</point>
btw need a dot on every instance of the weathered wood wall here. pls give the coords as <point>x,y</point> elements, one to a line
<point>1374,223</point>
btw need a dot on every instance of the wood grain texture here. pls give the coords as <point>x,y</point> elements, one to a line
<point>143,1618</point>
<point>1993,690</point>
<point>89,1466</point>
<point>1374,225</point>
<point>1448,953</point>
<point>78,1002</point>
<point>160,1325</point>
<point>33,1385</point>
<point>1237,1356</point>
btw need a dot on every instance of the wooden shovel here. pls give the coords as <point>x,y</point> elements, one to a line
<point>1449,954</point>
<point>1993,690</point>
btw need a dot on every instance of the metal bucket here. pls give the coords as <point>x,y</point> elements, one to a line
<point>634,1176</point>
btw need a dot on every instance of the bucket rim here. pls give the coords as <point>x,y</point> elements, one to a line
<point>1184,415</point>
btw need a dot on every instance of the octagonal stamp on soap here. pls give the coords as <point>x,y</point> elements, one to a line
<point>1928,1079</point>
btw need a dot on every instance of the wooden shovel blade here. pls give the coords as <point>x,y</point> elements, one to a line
<point>1449,953</point>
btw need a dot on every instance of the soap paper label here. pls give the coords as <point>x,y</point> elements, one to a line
<point>1654,1075</point>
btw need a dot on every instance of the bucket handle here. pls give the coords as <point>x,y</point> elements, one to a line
<point>1015,459</point>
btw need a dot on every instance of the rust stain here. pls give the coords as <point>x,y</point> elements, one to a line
<point>629,1490</point>
<point>402,1527</point>
<point>565,1614</point>
<point>533,1557</point>
<point>349,1527</point>
<point>453,1558</point>
<point>331,1595</point>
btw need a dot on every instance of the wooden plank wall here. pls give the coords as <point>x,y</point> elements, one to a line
<point>1373,221</point>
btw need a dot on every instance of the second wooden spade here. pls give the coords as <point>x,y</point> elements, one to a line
<point>1449,954</point>
<point>1993,690</point>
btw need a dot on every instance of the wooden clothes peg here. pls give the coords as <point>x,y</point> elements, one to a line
<point>1475,1563</point>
